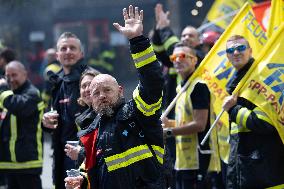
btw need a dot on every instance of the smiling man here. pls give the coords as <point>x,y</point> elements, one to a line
<point>64,100</point>
<point>21,133</point>
<point>257,153</point>
<point>191,122</point>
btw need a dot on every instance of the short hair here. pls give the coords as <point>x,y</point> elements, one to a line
<point>16,64</point>
<point>8,55</point>
<point>193,28</point>
<point>88,72</point>
<point>181,44</point>
<point>236,37</point>
<point>67,35</point>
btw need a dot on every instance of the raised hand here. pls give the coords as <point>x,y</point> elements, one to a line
<point>133,23</point>
<point>162,19</point>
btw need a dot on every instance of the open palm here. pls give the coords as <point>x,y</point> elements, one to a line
<point>133,23</point>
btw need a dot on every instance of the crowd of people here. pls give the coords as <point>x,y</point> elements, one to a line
<point>125,144</point>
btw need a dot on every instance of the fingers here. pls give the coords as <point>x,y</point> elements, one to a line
<point>141,15</point>
<point>125,14</point>
<point>131,13</point>
<point>136,13</point>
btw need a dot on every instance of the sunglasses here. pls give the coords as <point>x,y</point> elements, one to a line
<point>240,48</point>
<point>181,56</point>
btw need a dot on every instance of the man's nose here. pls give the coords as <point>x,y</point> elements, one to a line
<point>69,50</point>
<point>236,52</point>
<point>102,96</point>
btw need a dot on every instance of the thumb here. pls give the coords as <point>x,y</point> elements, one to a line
<point>235,95</point>
<point>117,26</point>
<point>168,13</point>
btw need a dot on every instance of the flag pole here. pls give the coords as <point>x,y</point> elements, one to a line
<point>212,127</point>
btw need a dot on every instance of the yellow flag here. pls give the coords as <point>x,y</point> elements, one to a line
<point>276,16</point>
<point>221,8</point>
<point>264,83</point>
<point>216,70</point>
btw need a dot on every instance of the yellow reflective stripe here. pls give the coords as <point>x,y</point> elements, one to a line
<point>128,157</point>
<point>13,138</point>
<point>159,153</point>
<point>40,106</point>
<point>146,109</point>
<point>4,95</point>
<point>172,71</point>
<point>172,40</point>
<point>242,116</point>
<point>158,48</point>
<point>145,57</point>
<point>262,115</point>
<point>39,130</point>
<point>21,165</point>
<point>45,96</point>
<point>281,186</point>
<point>53,67</point>
<point>235,128</point>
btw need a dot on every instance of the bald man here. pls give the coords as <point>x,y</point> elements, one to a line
<point>124,144</point>
<point>21,134</point>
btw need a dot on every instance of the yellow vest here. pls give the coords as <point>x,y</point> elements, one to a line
<point>186,145</point>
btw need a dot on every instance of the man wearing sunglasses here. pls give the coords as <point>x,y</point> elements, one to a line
<point>257,153</point>
<point>191,123</point>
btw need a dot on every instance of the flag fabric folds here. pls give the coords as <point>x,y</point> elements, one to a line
<point>276,16</point>
<point>217,71</point>
<point>264,82</point>
<point>221,8</point>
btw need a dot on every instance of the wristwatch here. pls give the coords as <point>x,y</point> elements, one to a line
<point>169,132</point>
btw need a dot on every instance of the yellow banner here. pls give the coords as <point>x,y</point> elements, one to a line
<point>221,8</point>
<point>215,69</point>
<point>276,16</point>
<point>264,83</point>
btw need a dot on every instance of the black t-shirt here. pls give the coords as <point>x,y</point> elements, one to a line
<point>200,98</point>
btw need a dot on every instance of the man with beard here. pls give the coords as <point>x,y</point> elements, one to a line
<point>125,141</point>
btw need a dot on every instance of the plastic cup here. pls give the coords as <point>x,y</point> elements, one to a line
<point>53,113</point>
<point>73,173</point>
<point>73,142</point>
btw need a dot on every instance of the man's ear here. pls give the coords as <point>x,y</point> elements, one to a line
<point>56,56</point>
<point>120,90</point>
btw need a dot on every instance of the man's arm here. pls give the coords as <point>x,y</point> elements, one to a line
<point>255,120</point>
<point>167,36</point>
<point>148,95</point>
<point>200,98</point>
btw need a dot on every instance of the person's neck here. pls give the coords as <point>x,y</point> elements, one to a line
<point>66,70</point>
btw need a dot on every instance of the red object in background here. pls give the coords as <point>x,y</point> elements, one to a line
<point>262,13</point>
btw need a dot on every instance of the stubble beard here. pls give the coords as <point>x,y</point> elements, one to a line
<point>108,109</point>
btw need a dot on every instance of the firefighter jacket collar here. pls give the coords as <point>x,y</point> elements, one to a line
<point>22,87</point>
<point>75,73</point>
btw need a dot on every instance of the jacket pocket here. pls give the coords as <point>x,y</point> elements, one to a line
<point>252,171</point>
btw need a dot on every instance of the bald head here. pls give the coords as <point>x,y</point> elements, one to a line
<point>104,78</point>
<point>16,65</point>
<point>105,93</point>
<point>190,36</point>
<point>16,74</point>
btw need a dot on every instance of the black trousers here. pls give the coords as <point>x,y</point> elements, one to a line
<point>24,181</point>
